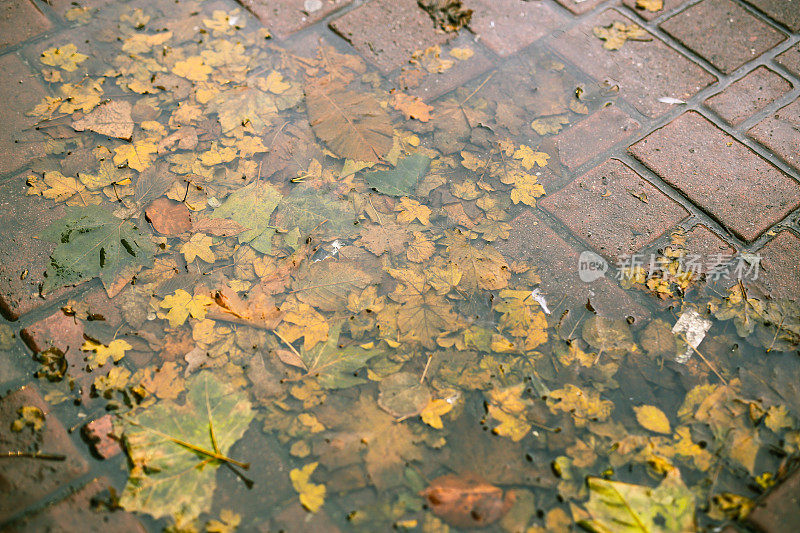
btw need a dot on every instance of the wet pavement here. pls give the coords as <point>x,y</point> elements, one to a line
<point>397,245</point>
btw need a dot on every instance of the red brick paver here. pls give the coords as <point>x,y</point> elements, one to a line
<point>285,17</point>
<point>781,133</point>
<point>743,98</point>
<point>719,174</point>
<point>779,511</point>
<point>508,26</point>
<point>20,20</point>
<point>387,32</point>
<point>615,210</point>
<point>723,33</point>
<point>702,242</point>
<point>26,480</point>
<point>580,6</point>
<point>669,5</point>
<point>645,71</point>
<point>594,135</point>
<point>76,513</point>
<point>790,59</point>
<point>557,265</point>
<point>787,12</point>
<point>780,266</point>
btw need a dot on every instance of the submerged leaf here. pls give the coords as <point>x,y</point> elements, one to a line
<point>401,180</point>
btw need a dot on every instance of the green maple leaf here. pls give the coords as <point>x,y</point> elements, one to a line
<point>252,207</point>
<point>316,210</point>
<point>175,449</point>
<point>335,366</point>
<point>91,242</point>
<point>401,180</point>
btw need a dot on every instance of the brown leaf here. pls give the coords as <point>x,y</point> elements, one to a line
<point>467,501</point>
<point>352,124</point>
<point>219,227</point>
<point>112,119</point>
<point>169,217</point>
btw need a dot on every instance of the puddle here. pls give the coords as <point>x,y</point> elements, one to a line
<point>319,309</point>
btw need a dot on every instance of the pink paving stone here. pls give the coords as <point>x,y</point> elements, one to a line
<point>711,249</point>
<point>285,17</point>
<point>77,513</point>
<point>606,208</point>
<point>722,176</point>
<point>23,481</point>
<point>508,26</point>
<point>594,135</point>
<point>580,6</point>
<point>780,266</point>
<point>100,434</point>
<point>787,12</point>
<point>745,97</point>
<point>781,133</point>
<point>556,263</point>
<point>387,32</point>
<point>669,5</point>
<point>23,258</point>
<point>20,92</point>
<point>723,33</point>
<point>779,510</point>
<point>645,71</point>
<point>790,59</point>
<point>20,20</point>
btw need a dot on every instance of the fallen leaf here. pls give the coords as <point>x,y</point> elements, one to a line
<point>312,495</point>
<point>411,106</point>
<point>112,119</point>
<point>650,5</point>
<point>401,180</point>
<point>169,217</point>
<point>615,34</point>
<point>652,418</point>
<point>467,501</point>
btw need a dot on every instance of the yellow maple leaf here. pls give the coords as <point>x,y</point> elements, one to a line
<point>222,23</point>
<point>66,57</point>
<point>137,155</point>
<point>549,125</point>
<point>115,350</point>
<point>652,418</point>
<point>312,495</point>
<point>273,83</point>
<point>410,210</point>
<point>85,95</point>
<point>530,158</point>
<point>181,304</point>
<point>192,68</point>
<point>462,53</point>
<point>507,406</point>
<point>615,34</point>
<point>582,405</point>
<point>432,413</point>
<point>302,320</point>
<point>411,106</point>
<point>199,246</point>
<point>420,249</point>
<point>650,5</point>
<point>60,188</point>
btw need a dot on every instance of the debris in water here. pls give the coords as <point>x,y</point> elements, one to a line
<point>694,328</point>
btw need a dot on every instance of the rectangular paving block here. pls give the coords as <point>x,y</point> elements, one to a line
<point>722,176</point>
<point>787,12</point>
<point>748,95</point>
<point>614,210</point>
<point>285,17</point>
<point>508,26</point>
<point>594,135</point>
<point>24,258</point>
<point>779,511</point>
<point>723,33</point>
<point>781,133</point>
<point>76,512</point>
<point>707,245</point>
<point>790,59</point>
<point>21,92</point>
<point>26,480</point>
<point>387,32</point>
<point>669,5</point>
<point>20,20</point>
<point>780,266</point>
<point>580,6</point>
<point>556,262</point>
<point>644,71</point>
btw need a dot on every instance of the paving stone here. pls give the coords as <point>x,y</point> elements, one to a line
<point>20,20</point>
<point>669,5</point>
<point>580,6</point>
<point>23,258</point>
<point>787,12</point>
<point>645,71</point>
<point>20,92</point>
<point>556,263</point>
<point>100,434</point>
<point>23,481</point>
<point>606,208</point>
<point>285,17</point>
<point>711,249</point>
<point>508,26</point>
<point>719,174</point>
<point>779,511</point>
<point>723,33</point>
<point>779,271</point>
<point>61,7</point>
<point>435,85</point>
<point>76,513</point>
<point>387,32</point>
<point>790,60</point>
<point>745,97</point>
<point>594,135</point>
<point>780,133</point>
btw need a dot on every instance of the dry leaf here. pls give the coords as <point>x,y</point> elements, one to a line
<point>467,501</point>
<point>169,217</point>
<point>112,119</point>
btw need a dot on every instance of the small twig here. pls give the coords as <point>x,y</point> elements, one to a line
<point>425,372</point>
<point>33,455</point>
<point>706,361</point>
<point>478,89</point>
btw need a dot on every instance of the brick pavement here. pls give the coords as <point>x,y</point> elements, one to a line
<point>728,157</point>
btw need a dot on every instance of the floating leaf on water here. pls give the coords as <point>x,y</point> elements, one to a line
<point>401,180</point>
<point>403,395</point>
<point>112,119</point>
<point>611,336</point>
<point>652,418</point>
